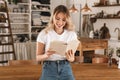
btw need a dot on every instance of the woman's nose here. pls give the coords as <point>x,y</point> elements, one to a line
<point>60,22</point>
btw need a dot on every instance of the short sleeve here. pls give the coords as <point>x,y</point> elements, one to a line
<point>73,36</point>
<point>42,37</point>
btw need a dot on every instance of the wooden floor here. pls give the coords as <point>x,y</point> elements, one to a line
<point>81,72</point>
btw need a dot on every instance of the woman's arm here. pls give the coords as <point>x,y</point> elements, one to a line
<point>40,52</point>
<point>40,49</point>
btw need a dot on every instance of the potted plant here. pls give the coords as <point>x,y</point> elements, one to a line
<point>118,54</point>
<point>118,51</point>
<point>110,54</point>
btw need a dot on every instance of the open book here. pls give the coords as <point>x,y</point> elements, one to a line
<point>61,47</point>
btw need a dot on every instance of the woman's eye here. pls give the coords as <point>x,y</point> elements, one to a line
<point>64,20</point>
<point>57,19</point>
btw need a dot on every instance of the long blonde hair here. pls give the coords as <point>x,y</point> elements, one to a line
<point>60,9</point>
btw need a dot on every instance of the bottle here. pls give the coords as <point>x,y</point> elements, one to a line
<point>105,34</point>
<point>91,35</point>
<point>117,1</point>
<point>15,1</point>
<point>96,34</point>
<point>119,63</point>
<point>9,1</point>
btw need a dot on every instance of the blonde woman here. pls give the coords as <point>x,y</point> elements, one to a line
<point>60,28</point>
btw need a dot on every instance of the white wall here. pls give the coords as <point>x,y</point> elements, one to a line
<point>111,23</point>
<point>55,3</point>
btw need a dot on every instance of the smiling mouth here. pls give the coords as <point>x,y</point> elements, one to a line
<point>58,26</point>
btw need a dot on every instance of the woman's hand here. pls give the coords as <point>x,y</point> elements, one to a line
<point>70,56</point>
<point>48,53</point>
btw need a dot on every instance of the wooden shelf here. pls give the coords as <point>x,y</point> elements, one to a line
<point>3,22</point>
<point>35,33</point>
<point>106,5</point>
<point>24,3</point>
<point>41,10</point>
<point>109,18</point>
<point>38,26</point>
<point>6,52</point>
<point>5,61</point>
<point>20,33</point>
<point>20,23</point>
<point>5,35</point>
<point>2,12</point>
<point>18,13</point>
<point>6,43</point>
<point>4,27</point>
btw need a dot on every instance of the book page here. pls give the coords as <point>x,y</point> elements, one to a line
<point>61,47</point>
<point>72,45</point>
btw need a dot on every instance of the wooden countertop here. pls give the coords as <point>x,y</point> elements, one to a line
<point>81,72</point>
<point>96,72</point>
<point>30,72</point>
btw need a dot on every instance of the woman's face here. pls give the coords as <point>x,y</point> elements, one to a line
<point>59,21</point>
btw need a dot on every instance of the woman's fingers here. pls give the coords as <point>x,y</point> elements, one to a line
<point>70,53</point>
<point>50,52</point>
<point>70,56</point>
